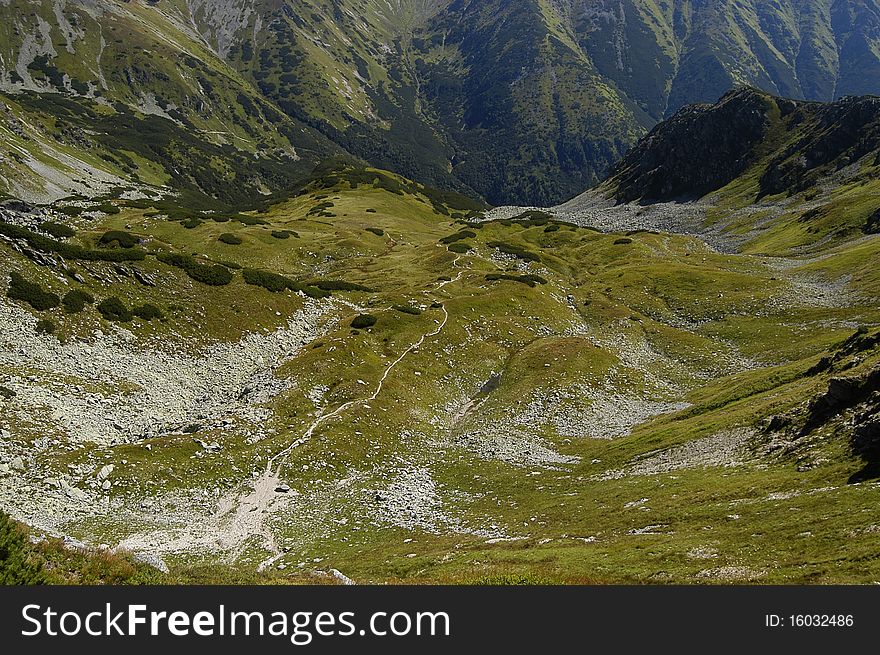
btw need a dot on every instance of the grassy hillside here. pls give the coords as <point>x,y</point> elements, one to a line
<point>364,377</point>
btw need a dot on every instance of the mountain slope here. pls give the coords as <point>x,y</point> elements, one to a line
<point>777,174</point>
<point>526,102</point>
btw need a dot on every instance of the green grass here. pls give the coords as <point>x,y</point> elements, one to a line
<point>546,328</point>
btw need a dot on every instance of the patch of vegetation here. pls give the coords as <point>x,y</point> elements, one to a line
<point>212,275</point>
<point>516,251</point>
<point>45,326</point>
<point>250,220</point>
<point>69,250</point>
<point>377,231</point>
<point>192,223</point>
<point>363,321</point>
<point>340,285</point>
<point>148,312</point>
<point>120,238</point>
<point>407,309</point>
<point>31,293</point>
<point>230,239</point>
<point>530,280</point>
<point>17,566</point>
<point>284,234</point>
<point>75,300</point>
<point>277,283</point>
<point>106,208</point>
<point>6,393</point>
<point>625,241</point>
<point>459,248</point>
<point>458,236</point>
<point>113,309</point>
<point>57,230</point>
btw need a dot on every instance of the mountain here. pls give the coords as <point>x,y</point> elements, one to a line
<point>780,173</point>
<point>524,102</point>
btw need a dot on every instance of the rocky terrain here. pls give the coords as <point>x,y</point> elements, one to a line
<point>368,379</point>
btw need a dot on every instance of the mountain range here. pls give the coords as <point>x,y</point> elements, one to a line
<point>526,102</point>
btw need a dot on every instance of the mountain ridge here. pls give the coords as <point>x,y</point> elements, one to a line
<point>520,104</point>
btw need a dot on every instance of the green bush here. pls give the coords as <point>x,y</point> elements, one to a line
<point>251,220</point>
<point>278,283</point>
<point>339,285</point>
<point>45,326</point>
<point>31,293</point>
<point>623,242</point>
<point>551,228</point>
<point>530,280</point>
<point>148,312</point>
<point>6,393</point>
<point>212,275</point>
<point>191,223</point>
<point>75,300</point>
<point>516,251</point>
<point>284,234</point>
<point>229,239</point>
<point>122,239</point>
<point>363,321</point>
<point>407,309</point>
<point>377,231</point>
<point>107,208</point>
<point>69,250</point>
<point>58,230</point>
<point>113,309</point>
<point>16,567</point>
<point>459,248</point>
<point>458,236</point>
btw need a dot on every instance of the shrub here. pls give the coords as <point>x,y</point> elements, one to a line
<point>113,309</point>
<point>229,239</point>
<point>75,300</point>
<point>551,228</point>
<point>530,280</point>
<point>68,250</point>
<point>460,248</point>
<point>339,285</point>
<point>212,275</point>
<point>192,223</point>
<point>407,309</point>
<point>122,239</point>
<point>251,220</point>
<point>371,211</point>
<point>458,236</point>
<point>363,321</point>
<point>623,242</point>
<point>16,567</point>
<point>31,293</point>
<point>516,251</point>
<point>58,230</point>
<point>148,312</point>
<point>45,326</point>
<point>377,231</point>
<point>106,208</point>
<point>6,393</point>
<point>277,283</point>
<point>284,234</point>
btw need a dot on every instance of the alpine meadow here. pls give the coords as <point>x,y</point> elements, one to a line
<point>439,292</point>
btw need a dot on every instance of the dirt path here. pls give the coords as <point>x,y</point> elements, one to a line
<point>249,513</point>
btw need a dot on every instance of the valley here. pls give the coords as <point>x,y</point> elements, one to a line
<point>537,399</point>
